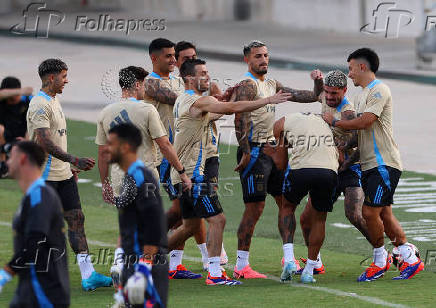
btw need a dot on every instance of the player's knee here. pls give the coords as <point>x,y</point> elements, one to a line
<point>254,210</point>
<point>219,221</point>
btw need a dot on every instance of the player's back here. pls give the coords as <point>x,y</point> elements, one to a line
<point>141,114</point>
<point>311,142</point>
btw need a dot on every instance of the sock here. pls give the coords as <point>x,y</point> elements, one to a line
<point>214,267</point>
<point>242,259</point>
<point>310,265</point>
<point>407,253</point>
<point>85,265</point>
<point>119,256</point>
<point>223,252</point>
<point>175,259</point>
<point>318,261</point>
<point>379,256</point>
<point>288,252</point>
<point>203,250</point>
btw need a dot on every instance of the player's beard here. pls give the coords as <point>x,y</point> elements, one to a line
<point>115,157</point>
<point>333,103</point>
<point>260,71</point>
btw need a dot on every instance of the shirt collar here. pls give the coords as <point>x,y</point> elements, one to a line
<point>37,183</point>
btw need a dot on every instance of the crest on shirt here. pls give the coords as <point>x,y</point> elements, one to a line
<point>377,95</point>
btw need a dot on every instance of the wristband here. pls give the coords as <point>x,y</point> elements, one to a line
<point>181,171</point>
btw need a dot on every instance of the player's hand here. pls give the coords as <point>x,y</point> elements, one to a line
<point>187,184</point>
<point>26,91</point>
<point>107,192</point>
<point>279,97</point>
<point>328,117</point>
<point>75,174</point>
<point>243,163</point>
<point>316,74</point>
<point>84,163</point>
<point>5,277</point>
<point>227,95</point>
<point>135,289</point>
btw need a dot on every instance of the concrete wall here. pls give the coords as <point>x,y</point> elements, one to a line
<point>349,16</point>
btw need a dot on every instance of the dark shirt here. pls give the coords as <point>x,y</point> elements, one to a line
<point>40,256</point>
<point>142,218</point>
<point>13,118</point>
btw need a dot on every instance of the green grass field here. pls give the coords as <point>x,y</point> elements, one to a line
<point>344,251</point>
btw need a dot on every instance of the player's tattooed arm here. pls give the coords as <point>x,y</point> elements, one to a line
<point>246,91</point>
<point>157,91</point>
<point>43,138</point>
<point>350,161</point>
<point>303,96</point>
<point>351,141</point>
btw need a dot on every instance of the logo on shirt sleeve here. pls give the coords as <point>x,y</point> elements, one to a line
<point>41,111</point>
<point>377,95</point>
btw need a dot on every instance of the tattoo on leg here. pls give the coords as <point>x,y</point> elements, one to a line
<point>76,230</point>
<point>288,228</point>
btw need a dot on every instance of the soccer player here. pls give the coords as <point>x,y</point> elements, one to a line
<point>141,218</point>
<point>312,169</point>
<point>258,173</point>
<point>14,102</point>
<point>46,125</point>
<point>132,109</point>
<point>193,112</point>
<point>40,257</point>
<point>185,51</point>
<point>333,100</point>
<point>162,89</point>
<point>381,164</point>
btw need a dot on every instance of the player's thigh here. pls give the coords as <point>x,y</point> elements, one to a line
<point>68,193</point>
<point>323,186</point>
<point>254,178</point>
<point>295,186</point>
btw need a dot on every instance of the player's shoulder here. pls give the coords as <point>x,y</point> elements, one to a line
<point>39,100</point>
<point>379,89</point>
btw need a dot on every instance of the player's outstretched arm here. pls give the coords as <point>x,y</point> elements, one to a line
<point>170,154</point>
<point>211,104</point>
<point>157,91</point>
<point>43,138</point>
<point>305,96</point>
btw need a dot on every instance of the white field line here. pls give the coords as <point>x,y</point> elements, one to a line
<point>368,299</point>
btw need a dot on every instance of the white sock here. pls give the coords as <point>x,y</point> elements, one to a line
<point>407,253</point>
<point>214,267</point>
<point>175,259</point>
<point>310,265</point>
<point>318,261</point>
<point>288,252</point>
<point>380,256</point>
<point>203,250</point>
<point>119,256</point>
<point>242,259</point>
<point>85,265</point>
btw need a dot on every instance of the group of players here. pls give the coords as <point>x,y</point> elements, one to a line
<point>163,131</point>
